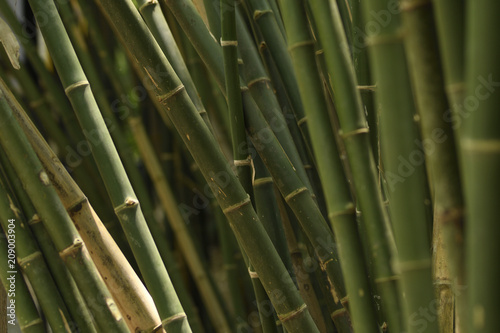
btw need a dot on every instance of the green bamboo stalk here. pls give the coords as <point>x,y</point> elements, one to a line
<point>58,224</point>
<point>405,194</point>
<point>284,173</point>
<point>260,86</point>
<point>25,310</point>
<point>188,248</point>
<point>65,283</point>
<point>428,84</point>
<point>119,188</point>
<point>450,24</point>
<point>266,21</point>
<point>156,22</point>
<point>356,140</point>
<point>340,206</point>
<point>481,160</point>
<point>127,290</point>
<point>241,158</point>
<point>230,195</point>
<point>32,264</point>
<point>300,274</point>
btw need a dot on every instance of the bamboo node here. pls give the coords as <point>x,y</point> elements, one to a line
<point>44,178</point>
<point>253,274</point>
<point>290,315</point>
<point>31,323</point>
<point>362,130</point>
<point>29,258</point>
<point>481,146</point>
<point>128,203</point>
<point>245,162</point>
<point>259,13</point>
<point>35,219</point>
<point>368,87</point>
<point>294,193</point>
<point>163,98</point>
<point>301,121</point>
<point>350,209</point>
<point>236,206</point>
<point>75,85</point>
<point>72,249</point>
<point>387,39</point>
<point>345,300</point>
<point>224,43</point>
<point>319,52</point>
<point>338,313</point>
<point>414,265</point>
<point>148,3</point>
<point>257,80</point>
<point>243,89</point>
<point>173,318</point>
<point>410,5</point>
<point>300,44</point>
<point>262,181</point>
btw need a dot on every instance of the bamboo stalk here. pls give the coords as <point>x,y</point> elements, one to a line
<point>32,264</point>
<point>62,277</point>
<point>481,161</point>
<point>340,207</point>
<point>230,195</point>
<point>263,15</point>
<point>428,84</point>
<point>25,310</point>
<point>64,234</point>
<point>119,188</point>
<point>450,24</point>
<point>355,137</point>
<point>128,291</point>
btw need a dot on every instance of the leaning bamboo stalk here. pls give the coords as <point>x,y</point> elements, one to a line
<point>230,195</point>
<point>128,291</point>
<point>356,140</point>
<point>427,80</point>
<point>289,183</point>
<point>25,310</point>
<point>65,283</point>
<point>64,234</point>
<point>120,190</point>
<point>340,206</point>
<point>188,248</point>
<point>265,19</point>
<point>480,147</point>
<point>158,26</point>
<point>32,264</point>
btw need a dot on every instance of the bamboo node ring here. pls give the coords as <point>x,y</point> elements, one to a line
<point>259,13</point>
<point>29,258</point>
<point>292,314</point>
<point>228,42</point>
<point>253,274</point>
<point>302,121</point>
<point>73,248</point>
<point>237,205</point>
<point>353,133</point>
<point>75,85</point>
<point>175,317</point>
<point>173,92</point>
<point>300,44</point>
<point>257,80</point>
<point>262,181</point>
<point>294,193</point>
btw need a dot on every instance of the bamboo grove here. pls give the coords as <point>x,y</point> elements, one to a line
<point>262,166</point>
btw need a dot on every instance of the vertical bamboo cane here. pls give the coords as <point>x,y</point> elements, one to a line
<point>480,145</point>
